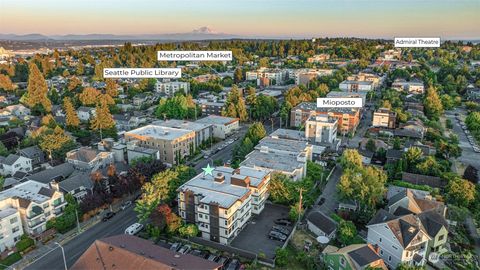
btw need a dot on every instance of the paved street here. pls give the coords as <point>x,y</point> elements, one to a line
<point>75,247</point>
<point>330,193</point>
<point>468,155</point>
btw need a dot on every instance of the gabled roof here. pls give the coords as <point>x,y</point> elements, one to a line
<point>364,255</point>
<point>31,151</point>
<point>433,222</point>
<point>58,172</point>
<point>381,216</point>
<point>76,181</point>
<point>321,221</point>
<point>10,159</point>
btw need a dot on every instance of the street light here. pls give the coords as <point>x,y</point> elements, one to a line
<point>63,254</point>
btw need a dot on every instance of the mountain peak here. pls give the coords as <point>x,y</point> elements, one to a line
<point>205,30</point>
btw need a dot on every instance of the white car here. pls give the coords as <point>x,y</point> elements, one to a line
<point>134,229</point>
<point>125,205</point>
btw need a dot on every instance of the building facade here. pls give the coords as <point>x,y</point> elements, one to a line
<point>383,117</point>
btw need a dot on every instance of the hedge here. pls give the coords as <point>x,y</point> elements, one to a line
<point>13,258</point>
<point>404,184</point>
<point>24,243</point>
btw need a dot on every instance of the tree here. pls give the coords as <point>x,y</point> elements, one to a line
<point>238,75</point>
<point>281,257</point>
<point>187,231</point>
<point>433,104</point>
<point>54,141</point>
<point>351,159</point>
<point>251,96</point>
<point>470,173</point>
<point>365,185</point>
<point>3,150</point>
<point>256,132</point>
<point>89,96</point>
<point>346,232</point>
<point>5,83</point>
<point>37,90</point>
<point>103,120</point>
<point>461,192</point>
<point>412,156</point>
<point>111,88</point>
<point>235,105</point>
<point>71,117</point>
<point>370,146</point>
<point>73,83</point>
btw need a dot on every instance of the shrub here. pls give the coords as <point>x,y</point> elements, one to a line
<point>24,243</point>
<point>13,258</point>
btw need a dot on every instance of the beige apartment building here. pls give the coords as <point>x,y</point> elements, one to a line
<point>173,144</point>
<point>384,118</point>
<point>221,204</point>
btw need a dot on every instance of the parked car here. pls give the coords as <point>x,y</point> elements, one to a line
<point>196,252</point>
<point>134,229</point>
<point>281,229</point>
<point>175,246</point>
<point>233,265</point>
<point>185,249</point>
<point>125,205</point>
<point>108,216</point>
<point>322,200</point>
<point>223,261</point>
<point>274,235</point>
<point>283,222</point>
<point>212,257</point>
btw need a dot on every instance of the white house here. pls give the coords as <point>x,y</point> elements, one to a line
<point>400,239</point>
<point>14,163</point>
<point>321,225</point>
<point>85,113</point>
<point>10,228</point>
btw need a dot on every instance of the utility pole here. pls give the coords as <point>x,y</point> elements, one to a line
<point>78,223</point>
<point>300,204</point>
<point>63,254</point>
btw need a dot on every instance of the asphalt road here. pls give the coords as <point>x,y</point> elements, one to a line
<point>468,155</point>
<point>77,246</point>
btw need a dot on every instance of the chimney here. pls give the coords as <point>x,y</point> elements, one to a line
<point>54,185</point>
<point>220,178</point>
<point>239,180</point>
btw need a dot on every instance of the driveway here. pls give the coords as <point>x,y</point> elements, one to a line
<point>254,238</point>
<point>330,193</point>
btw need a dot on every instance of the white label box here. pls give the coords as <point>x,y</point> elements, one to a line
<point>410,42</point>
<point>170,73</point>
<point>339,102</point>
<point>194,55</point>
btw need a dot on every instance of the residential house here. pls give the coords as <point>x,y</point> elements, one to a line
<point>131,252</point>
<point>399,239</point>
<point>18,110</point>
<point>34,153</point>
<point>393,155</point>
<point>85,113</point>
<point>55,174</point>
<point>35,202</point>
<point>321,225</point>
<point>89,159</point>
<point>411,87</point>
<point>14,163</point>
<point>366,155</point>
<point>318,58</point>
<point>412,129</point>
<point>352,257</point>
<point>78,185</point>
<point>221,204</point>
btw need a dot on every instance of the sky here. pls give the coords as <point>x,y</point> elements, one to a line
<point>448,19</point>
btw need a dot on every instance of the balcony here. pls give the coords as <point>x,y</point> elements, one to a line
<point>34,224</point>
<point>60,204</point>
<point>36,212</point>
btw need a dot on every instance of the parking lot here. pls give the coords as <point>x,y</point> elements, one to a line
<point>254,237</point>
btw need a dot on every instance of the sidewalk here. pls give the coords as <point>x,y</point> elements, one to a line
<point>43,249</point>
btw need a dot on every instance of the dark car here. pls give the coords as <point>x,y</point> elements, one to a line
<point>233,265</point>
<point>274,235</point>
<point>322,200</point>
<point>108,216</point>
<point>283,222</point>
<point>281,229</point>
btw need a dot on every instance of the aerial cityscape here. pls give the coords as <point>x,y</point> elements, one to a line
<point>336,135</point>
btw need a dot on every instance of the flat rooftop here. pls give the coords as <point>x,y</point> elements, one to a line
<point>159,132</point>
<point>272,161</point>
<point>182,124</point>
<point>282,145</point>
<point>223,193</point>
<point>6,212</point>
<point>217,120</point>
<point>288,134</point>
<point>357,82</point>
<point>312,106</point>
<point>29,190</point>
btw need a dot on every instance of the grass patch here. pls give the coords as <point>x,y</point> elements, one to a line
<point>13,258</point>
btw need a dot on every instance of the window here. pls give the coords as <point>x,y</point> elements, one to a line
<point>389,258</point>
<point>200,215</point>
<point>394,247</point>
<point>45,205</point>
<point>440,238</point>
<point>342,261</point>
<point>13,220</point>
<point>15,229</point>
<point>380,240</point>
<point>1,236</point>
<point>381,252</point>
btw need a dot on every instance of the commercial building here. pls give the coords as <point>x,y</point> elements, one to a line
<point>412,87</point>
<point>203,131</point>
<point>222,203</point>
<point>169,88</point>
<point>275,76</point>
<point>173,144</point>
<point>357,86</point>
<point>348,118</point>
<point>321,129</point>
<point>222,127</point>
<point>11,229</point>
<point>383,117</point>
<point>366,77</point>
<point>305,75</point>
<point>35,202</point>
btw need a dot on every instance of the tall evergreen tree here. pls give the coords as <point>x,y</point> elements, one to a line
<point>433,103</point>
<point>37,90</point>
<point>111,88</point>
<point>103,120</point>
<point>71,117</point>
